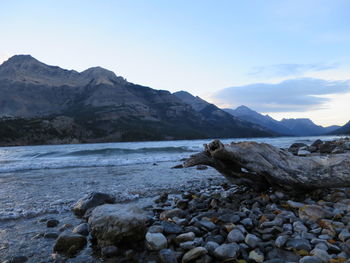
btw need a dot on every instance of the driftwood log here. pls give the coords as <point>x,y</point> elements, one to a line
<point>261,166</point>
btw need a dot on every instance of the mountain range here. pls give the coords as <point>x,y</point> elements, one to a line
<point>42,104</point>
<point>291,127</point>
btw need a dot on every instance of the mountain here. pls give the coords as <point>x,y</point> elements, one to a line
<point>342,130</point>
<point>266,121</point>
<point>294,127</point>
<point>47,104</point>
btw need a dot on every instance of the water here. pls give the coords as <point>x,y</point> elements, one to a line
<point>41,181</point>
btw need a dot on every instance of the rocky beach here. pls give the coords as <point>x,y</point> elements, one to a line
<point>208,221</point>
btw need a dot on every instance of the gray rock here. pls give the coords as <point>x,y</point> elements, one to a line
<point>299,244</point>
<point>112,224</point>
<point>109,251</point>
<point>191,244</point>
<point>176,212</point>
<point>321,254</point>
<point>344,235</point>
<point>313,212</point>
<point>193,254</point>
<point>310,259</point>
<point>299,227</point>
<point>51,235</point>
<point>211,246</point>
<point>205,224</point>
<point>82,229</point>
<point>171,228</point>
<point>235,236</point>
<point>227,251</point>
<point>167,256</point>
<point>280,241</point>
<point>90,201</point>
<point>295,204</point>
<point>190,236</point>
<point>276,222</point>
<point>256,256</point>
<point>52,223</point>
<point>247,222</point>
<point>252,240</point>
<point>69,243</point>
<point>156,229</point>
<point>303,152</point>
<point>156,241</point>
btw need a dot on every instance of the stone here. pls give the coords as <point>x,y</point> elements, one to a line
<point>185,237</point>
<point>312,212</point>
<point>155,229</point>
<point>317,143</point>
<point>299,227</point>
<point>90,201</point>
<point>299,244</point>
<point>191,244</point>
<point>171,228</point>
<point>156,241</point>
<point>111,224</point>
<point>327,147</point>
<point>344,235</point>
<point>52,223</point>
<point>193,254</point>
<point>211,246</point>
<point>69,243</point>
<point>51,235</point>
<point>294,148</point>
<point>182,204</point>
<point>235,236</point>
<point>321,254</point>
<point>303,152</point>
<point>82,229</point>
<point>256,256</point>
<point>280,241</point>
<point>109,251</point>
<point>205,224</point>
<point>294,204</point>
<point>167,256</point>
<point>162,198</point>
<point>168,214</point>
<point>310,259</point>
<point>247,222</point>
<point>252,240</point>
<point>227,251</point>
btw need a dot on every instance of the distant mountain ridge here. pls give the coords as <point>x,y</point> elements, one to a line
<point>293,127</point>
<point>96,105</point>
<point>342,130</point>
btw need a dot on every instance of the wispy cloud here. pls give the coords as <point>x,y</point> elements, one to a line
<point>284,70</point>
<point>294,95</point>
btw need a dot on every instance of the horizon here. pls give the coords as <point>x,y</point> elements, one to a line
<point>291,55</point>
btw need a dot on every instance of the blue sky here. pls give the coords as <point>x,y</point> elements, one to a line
<point>204,47</point>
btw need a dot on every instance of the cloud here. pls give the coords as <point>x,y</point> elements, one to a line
<point>282,70</point>
<point>294,95</point>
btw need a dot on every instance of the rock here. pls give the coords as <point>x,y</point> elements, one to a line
<point>310,259</point>
<point>206,224</point>
<point>69,243</point>
<point>317,143</point>
<point>256,256</point>
<point>303,152</point>
<point>299,227</point>
<point>156,229</point>
<point>171,228</point>
<point>52,223</point>
<point>252,240</point>
<point>235,236</point>
<point>185,237</point>
<point>171,213</point>
<point>109,251</point>
<point>211,246</point>
<point>82,229</point>
<point>90,201</point>
<point>51,235</point>
<point>18,259</point>
<point>294,204</point>
<point>111,224</point>
<point>191,244</point>
<point>299,244</point>
<point>202,167</point>
<point>247,222</point>
<point>294,148</point>
<point>227,251</point>
<point>182,204</point>
<point>167,256</point>
<point>327,147</point>
<point>312,212</point>
<point>321,254</point>
<point>194,253</point>
<point>156,241</point>
<point>162,198</point>
<point>344,235</point>
<point>280,241</point>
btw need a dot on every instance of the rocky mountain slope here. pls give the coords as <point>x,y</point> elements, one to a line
<point>100,107</point>
<point>343,130</point>
<point>294,127</point>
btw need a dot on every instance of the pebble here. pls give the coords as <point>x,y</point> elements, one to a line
<point>321,254</point>
<point>156,241</point>
<point>194,253</point>
<point>256,255</point>
<point>235,236</point>
<point>247,222</point>
<point>252,240</point>
<point>299,244</point>
<point>227,251</point>
<point>171,228</point>
<point>344,235</point>
<point>280,241</point>
<point>310,259</point>
<point>51,235</point>
<point>82,229</point>
<point>185,237</point>
<point>167,256</point>
<point>211,246</point>
<point>52,223</point>
<point>299,227</point>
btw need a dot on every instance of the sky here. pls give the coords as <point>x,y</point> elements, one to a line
<point>288,59</point>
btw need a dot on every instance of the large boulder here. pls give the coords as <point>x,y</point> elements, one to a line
<point>91,201</point>
<point>114,224</point>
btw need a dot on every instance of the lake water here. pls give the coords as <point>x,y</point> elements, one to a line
<point>38,181</point>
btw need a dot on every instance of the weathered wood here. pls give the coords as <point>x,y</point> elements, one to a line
<point>260,166</point>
